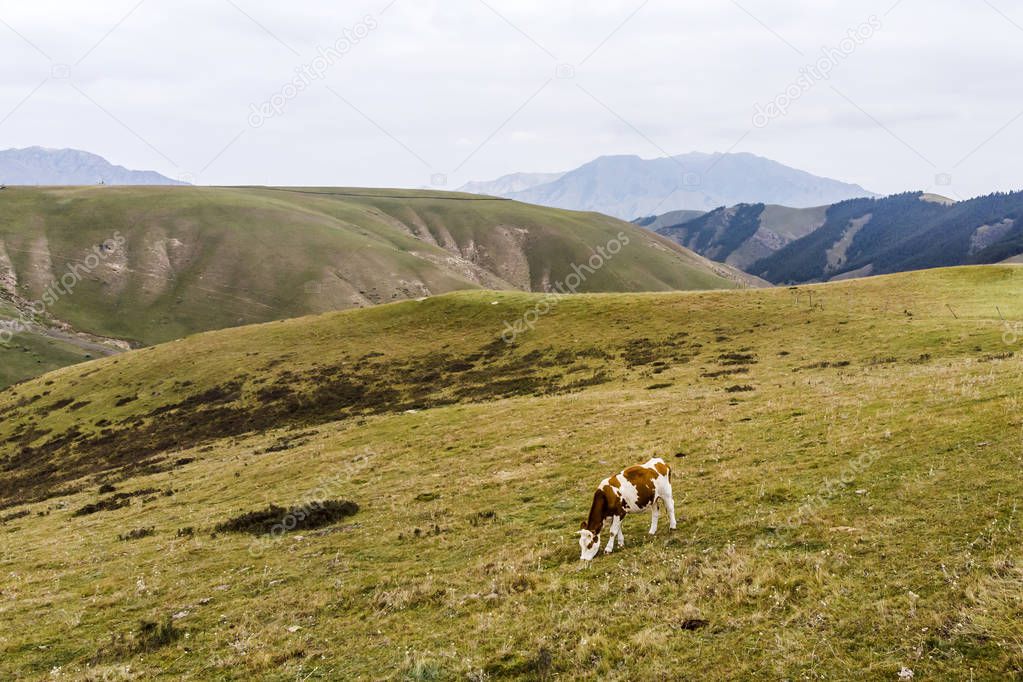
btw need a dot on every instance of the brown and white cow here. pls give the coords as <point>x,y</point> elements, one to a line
<point>634,489</point>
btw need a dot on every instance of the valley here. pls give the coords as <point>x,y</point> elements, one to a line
<point>152,264</point>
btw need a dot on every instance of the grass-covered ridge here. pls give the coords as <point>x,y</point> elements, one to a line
<point>846,469</point>
<point>167,262</point>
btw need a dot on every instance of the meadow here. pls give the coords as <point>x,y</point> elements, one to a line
<point>846,464</point>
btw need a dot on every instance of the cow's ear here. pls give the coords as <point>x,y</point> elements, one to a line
<point>582,526</point>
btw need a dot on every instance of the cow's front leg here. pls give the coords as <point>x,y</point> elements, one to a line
<point>616,530</point>
<point>653,518</point>
<point>669,504</point>
<point>621,537</point>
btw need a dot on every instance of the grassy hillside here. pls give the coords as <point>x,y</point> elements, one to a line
<point>167,262</point>
<point>846,465</point>
<point>655,222</point>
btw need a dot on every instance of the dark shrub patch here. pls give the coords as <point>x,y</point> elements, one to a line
<point>121,402</point>
<point>106,488</point>
<point>272,393</point>
<point>218,395</point>
<point>824,364</point>
<point>287,443</point>
<point>14,515</point>
<point>693,624</point>
<point>108,504</point>
<point>597,378</point>
<point>186,532</point>
<point>739,389</point>
<point>479,518</point>
<point>459,366</point>
<point>639,352</point>
<point>59,404</point>
<point>427,497</point>
<point>311,515</point>
<point>115,501</point>
<point>134,493</point>
<point>726,372</point>
<point>654,387</point>
<point>136,534</point>
<point>149,636</point>
<point>737,359</point>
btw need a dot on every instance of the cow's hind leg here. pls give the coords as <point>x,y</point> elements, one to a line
<point>669,504</point>
<point>655,512</point>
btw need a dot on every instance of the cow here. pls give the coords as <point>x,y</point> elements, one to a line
<point>632,490</point>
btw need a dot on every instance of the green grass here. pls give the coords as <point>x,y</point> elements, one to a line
<point>462,563</point>
<point>32,354</point>
<point>196,259</point>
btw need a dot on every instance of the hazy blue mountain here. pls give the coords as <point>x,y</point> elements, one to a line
<point>42,166</point>
<point>630,187</point>
<point>515,182</point>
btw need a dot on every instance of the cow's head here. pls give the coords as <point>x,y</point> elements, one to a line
<point>589,544</point>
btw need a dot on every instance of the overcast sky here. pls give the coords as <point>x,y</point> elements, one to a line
<point>418,92</point>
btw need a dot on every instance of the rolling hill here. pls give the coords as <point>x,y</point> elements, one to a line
<point>629,187</point>
<point>151,264</point>
<point>42,166</point>
<point>669,219</point>
<point>853,238</point>
<point>846,467</point>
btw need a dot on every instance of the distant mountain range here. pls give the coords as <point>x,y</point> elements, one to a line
<point>855,238</point>
<point>42,166</point>
<point>516,182</point>
<point>629,187</point>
